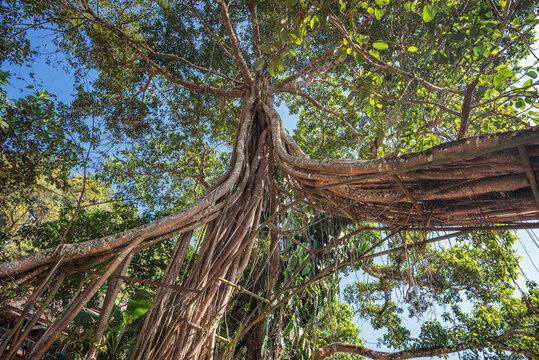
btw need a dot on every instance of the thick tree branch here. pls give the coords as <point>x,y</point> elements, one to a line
<point>235,44</point>
<point>339,347</point>
<point>256,30</point>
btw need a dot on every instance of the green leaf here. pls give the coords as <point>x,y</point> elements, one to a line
<point>412,49</point>
<point>498,81</point>
<point>315,22</point>
<point>429,12</point>
<point>138,305</point>
<point>273,66</point>
<point>283,35</point>
<point>532,74</point>
<point>307,268</point>
<point>410,6</point>
<point>362,39</point>
<point>342,6</point>
<point>3,125</point>
<point>382,3</point>
<point>293,261</point>
<point>378,13</point>
<point>379,45</point>
<point>504,70</point>
<point>375,53</point>
<point>288,329</point>
<point>84,318</point>
<point>484,79</point>
<point>259,64</point>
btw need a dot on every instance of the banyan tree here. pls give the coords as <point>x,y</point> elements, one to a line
<point>415,126</point>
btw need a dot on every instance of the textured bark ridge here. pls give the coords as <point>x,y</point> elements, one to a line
<point>473,181</point>
<point>481,180</point>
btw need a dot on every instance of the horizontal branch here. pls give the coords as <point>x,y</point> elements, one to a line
<point>185,217</point>
<point>339,347</point>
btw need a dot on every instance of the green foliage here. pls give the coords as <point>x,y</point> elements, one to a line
<point>472,280</point>
<point>118,338</point>
<point>34,142</point>
<point>138,305</point>
<point>37,155</point>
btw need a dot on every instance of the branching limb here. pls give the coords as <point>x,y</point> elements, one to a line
<point>256,30</point>
<point>235,44</point>
<point>309,80</point>
<point>310,99</point>
<point>306,70</point>
<point>194,66</point>
<point>387,274</point>
<point>141,49</point>
<point>383,66</point>
<point>425,102</point>
<point>226,49</point>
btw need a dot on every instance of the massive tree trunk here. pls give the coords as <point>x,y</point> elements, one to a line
<point>189,328</point>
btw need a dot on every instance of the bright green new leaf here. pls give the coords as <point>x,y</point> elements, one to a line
<point>379,45</point>
<point>138,305</point>
<point>429,12</point>
<point>375,53</point>
<point>314,22</point>
<point>504,70</point>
